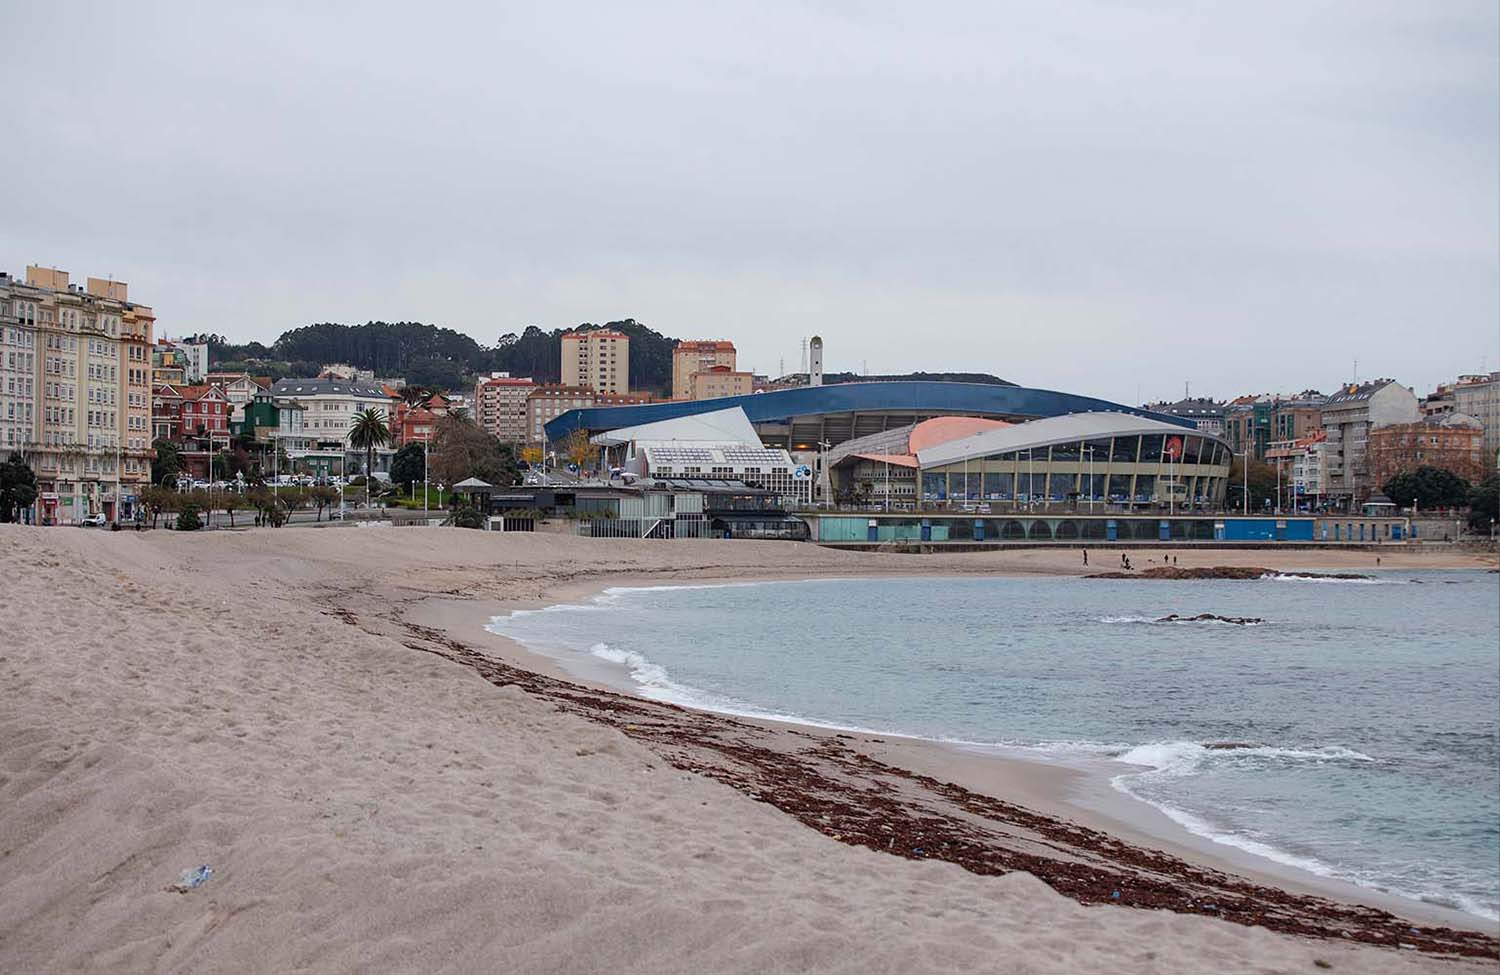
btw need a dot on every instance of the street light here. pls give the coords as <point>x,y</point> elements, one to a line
<point>823,447</point>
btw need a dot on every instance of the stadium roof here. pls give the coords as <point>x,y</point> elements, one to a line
<point>1039,433</point>
<point>970,399</point>
<point>720,426</point>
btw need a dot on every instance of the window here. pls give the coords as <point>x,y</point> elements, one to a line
<point>1124,451</point>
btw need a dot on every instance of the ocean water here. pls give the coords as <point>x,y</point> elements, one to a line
<point>1365,715</point>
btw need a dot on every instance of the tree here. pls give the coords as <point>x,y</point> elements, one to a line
<point>292,500</point>
<point>150,498</point>
<point>321,497</point>
<point>1428,487</point>
<point>187,518</point>
<point>17,487</point>
<point>167,463</point>
<point>1263,483</point>
<point>461,450</point>
<point>367,431</point>
<point>1484,503</point>
<point>531,455</point>
<point>407,465</point>
<point>468,518</point>
<point>231,501</point>
<point>267,508</point>
<point>577,449</point>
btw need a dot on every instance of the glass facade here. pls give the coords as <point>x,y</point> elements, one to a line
<point>1164,469</point>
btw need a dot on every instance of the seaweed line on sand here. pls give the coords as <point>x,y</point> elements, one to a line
<point>829,785</point>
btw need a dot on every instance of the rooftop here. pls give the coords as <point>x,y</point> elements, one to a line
<point>327,387</point>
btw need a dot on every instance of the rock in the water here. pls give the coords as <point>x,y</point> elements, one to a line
<point>1211,618</point>
<point>1239,573</point>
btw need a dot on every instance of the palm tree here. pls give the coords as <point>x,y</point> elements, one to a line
<point>367,431</point>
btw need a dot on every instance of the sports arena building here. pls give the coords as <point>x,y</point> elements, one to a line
<point>931,443</point>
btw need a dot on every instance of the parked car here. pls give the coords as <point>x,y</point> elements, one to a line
<point>94,521</point>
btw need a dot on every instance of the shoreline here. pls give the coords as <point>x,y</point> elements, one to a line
<point>1078,788</point>
<point>380,784</point>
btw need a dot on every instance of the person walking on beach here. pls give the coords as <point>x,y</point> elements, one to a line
<point>1085,556</point>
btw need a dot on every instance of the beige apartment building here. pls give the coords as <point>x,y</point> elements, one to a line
<point>500,406</point>
<point>546,403</point>
<point>598,359</point>
<point>75,392</point>
<point>689,358</point>
<point>1479,396</point>
<point>720,381</point>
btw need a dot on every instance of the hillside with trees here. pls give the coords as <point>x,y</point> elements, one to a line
<point>441,358</point>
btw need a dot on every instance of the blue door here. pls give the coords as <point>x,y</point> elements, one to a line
<point>1111,531</point>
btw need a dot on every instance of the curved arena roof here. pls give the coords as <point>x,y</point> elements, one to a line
<point>1042,433</point>
<point>924,398</point>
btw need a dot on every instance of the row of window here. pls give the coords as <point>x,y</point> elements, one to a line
<point>1117,488</point>
<point>25,338</point>
<point>1147,449</point>
<point>23,361</point>
<point>19,386</point>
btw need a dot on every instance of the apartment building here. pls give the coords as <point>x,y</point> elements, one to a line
<point>75,391</point>
<point>1451,441</point>
<point>19,407</point>
<point>1207,415</point>
<point>719,381</point>
<point>500,406</point>
<point>204,428</point>
<point>544,403</point>
<point>1479,396</point>
<point>240,389</point>
<point>693,357</point>
<point>1253,423</point>
<point>328,408</point>
<point>1348,417</point>
<point>598,359</point>
<point>1300,465</point>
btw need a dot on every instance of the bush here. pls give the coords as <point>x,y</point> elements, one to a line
<point>468,518</point>
<point>187,519</point>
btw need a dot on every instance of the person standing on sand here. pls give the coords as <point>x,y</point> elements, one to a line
<point>1085,556</point>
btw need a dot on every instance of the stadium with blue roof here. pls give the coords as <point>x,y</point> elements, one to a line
<point>800,419</point>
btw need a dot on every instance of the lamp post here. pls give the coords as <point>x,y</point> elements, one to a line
<point>1245,488</point>
<point>823,447</point>
<point>426,445</point>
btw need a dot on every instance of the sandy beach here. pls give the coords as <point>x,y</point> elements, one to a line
<point>380,785</point>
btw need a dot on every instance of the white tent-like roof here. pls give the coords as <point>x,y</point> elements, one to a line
<point>720,426</point>
<point>1053,429</point>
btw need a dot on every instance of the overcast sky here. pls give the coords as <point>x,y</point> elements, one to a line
<point>1106,198</point>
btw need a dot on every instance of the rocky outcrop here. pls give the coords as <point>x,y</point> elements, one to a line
<point>1211,618</point>
<point>1234,572</point>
